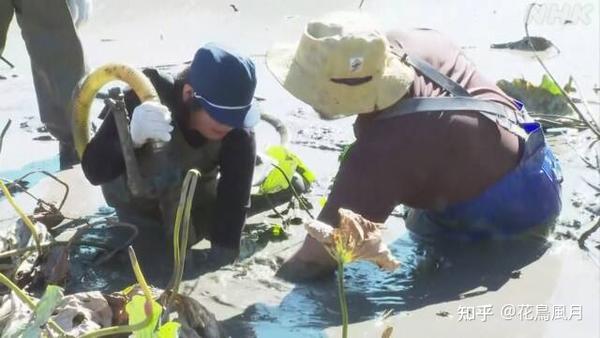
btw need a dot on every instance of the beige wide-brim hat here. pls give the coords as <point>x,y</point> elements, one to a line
<point>342,66</point>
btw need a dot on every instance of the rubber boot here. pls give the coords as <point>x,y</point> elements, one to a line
<point>67,155</point>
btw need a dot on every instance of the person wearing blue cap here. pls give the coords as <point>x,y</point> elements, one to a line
<point>205,117</point>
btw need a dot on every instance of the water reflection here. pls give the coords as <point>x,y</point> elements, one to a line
<point>50,165</point>
<point>429,274</point>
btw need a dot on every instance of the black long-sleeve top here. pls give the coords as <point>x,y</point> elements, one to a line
<point>103,159</point>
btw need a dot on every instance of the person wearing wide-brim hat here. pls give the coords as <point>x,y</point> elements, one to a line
<point>432,133</point>
<point>205,118</point>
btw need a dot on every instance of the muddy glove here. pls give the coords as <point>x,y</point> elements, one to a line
<point>150,121</point>
<point>81,10</point>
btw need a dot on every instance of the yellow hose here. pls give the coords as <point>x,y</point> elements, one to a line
<point>89,87</point>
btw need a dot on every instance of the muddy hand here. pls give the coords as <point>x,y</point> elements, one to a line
<point>310,262</point>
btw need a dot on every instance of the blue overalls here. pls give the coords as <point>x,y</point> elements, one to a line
<point>525,199</point>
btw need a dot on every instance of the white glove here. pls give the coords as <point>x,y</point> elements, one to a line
<point>81,11</point>
<point>150,121</point>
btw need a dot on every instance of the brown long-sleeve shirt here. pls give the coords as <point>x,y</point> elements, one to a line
<point>425,160</point>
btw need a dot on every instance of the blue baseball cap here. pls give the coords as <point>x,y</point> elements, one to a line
<point>224,84</point>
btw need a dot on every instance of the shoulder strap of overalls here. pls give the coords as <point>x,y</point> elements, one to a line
<point>434,75</point>
<point>460,101</point>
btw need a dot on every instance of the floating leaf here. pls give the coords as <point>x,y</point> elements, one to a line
<point>43,310</point>
<point>136,309</point>
<point>277,230</point>
<point>275,233</point>
<point>277,179</point>
<point>169,330</point>
<point>543,99</point>
<point>549,85</point>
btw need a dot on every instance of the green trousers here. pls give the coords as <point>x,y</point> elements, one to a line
<point>56,57</point>
<point>161,212</point>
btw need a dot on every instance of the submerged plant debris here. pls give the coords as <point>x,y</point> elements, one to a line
<point>81,313</point>
<point>535,43</point>
<point>545,98</point>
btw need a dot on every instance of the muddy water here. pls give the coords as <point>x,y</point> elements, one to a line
<point>424,279</point>
<point>246,296</point>
<point>429,274</point>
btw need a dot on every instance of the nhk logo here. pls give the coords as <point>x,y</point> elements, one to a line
<point>559,13</point>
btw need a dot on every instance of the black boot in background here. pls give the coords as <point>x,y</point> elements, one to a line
<point>68,155</point>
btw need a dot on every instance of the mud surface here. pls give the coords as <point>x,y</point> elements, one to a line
<point>246,296</point>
